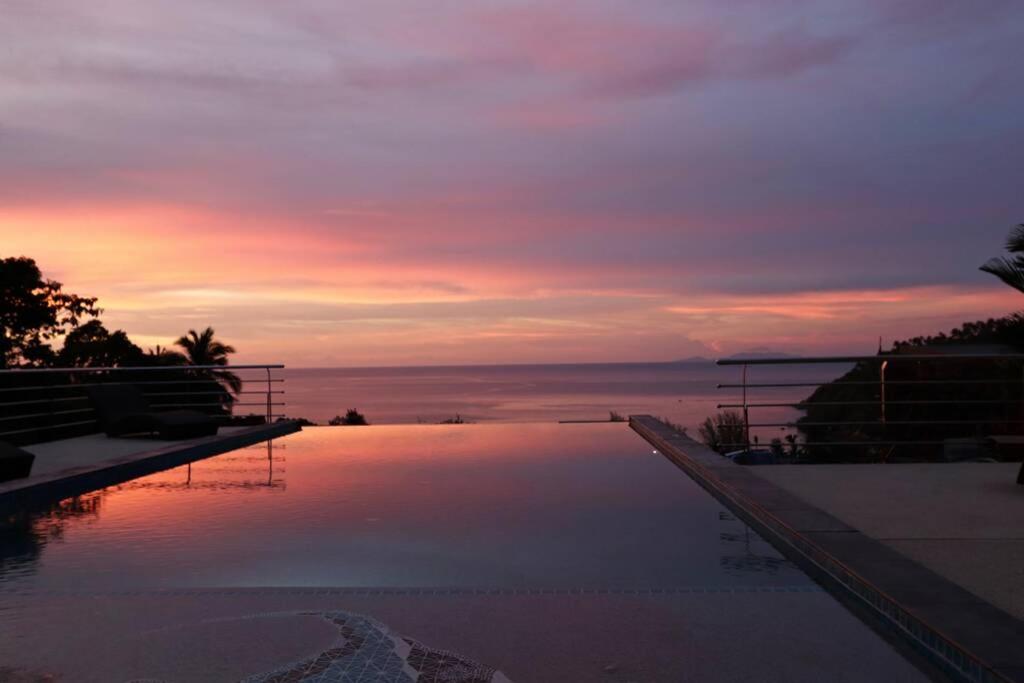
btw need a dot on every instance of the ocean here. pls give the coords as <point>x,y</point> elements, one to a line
<point>684,392</point>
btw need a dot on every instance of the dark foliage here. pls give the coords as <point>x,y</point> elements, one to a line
<point>351,418</point>
<point>1010,270</point>
<point>1007,331</point>
<point>34,313</point>
<point>92,345</point>
<point>723,432</point>
<point>163,356</point>
<point>983,395</point>
<point>202,348</point>
<point>303,422</point>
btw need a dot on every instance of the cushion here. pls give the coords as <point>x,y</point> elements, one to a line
<point>183,424</point>
<point>115,402</point>
<point>15,463</point>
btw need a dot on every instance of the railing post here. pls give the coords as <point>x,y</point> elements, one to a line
<point>746,412</point>
<point>270,411</point>
<point>881,384</point>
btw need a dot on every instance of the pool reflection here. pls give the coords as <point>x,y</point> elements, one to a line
<point>745,552</point>
<point>505,506</point>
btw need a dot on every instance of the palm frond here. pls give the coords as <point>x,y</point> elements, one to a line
<point>217,349</point>
<point>229,379</point>
<point>1015,241</point>
<point>202,348</point>
<point>1010,272</point>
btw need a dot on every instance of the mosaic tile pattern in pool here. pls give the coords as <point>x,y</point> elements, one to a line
<point>368,652</point>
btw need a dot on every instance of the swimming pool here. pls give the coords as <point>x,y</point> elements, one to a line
<point>389,520</point>
<point>504,506</point>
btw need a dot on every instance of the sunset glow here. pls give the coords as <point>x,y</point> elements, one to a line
<point>376,183</point>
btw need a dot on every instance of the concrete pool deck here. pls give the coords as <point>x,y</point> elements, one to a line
<point>886,541</point>
<point>73,466</point>
<point>964,521</point>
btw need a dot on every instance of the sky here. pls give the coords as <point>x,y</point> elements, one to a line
<point>384,182</point>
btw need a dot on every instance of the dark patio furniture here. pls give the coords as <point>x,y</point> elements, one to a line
<point>122,409</point>
<point>14,462</point>
<point>1011,448</point>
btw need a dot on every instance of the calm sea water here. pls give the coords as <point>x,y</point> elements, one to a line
<point>683,392</point>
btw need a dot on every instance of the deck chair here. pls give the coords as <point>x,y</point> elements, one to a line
<point>122,409</point>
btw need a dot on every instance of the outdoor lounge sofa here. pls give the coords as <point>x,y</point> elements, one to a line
<point>123,409</point>
<point>14,462</point>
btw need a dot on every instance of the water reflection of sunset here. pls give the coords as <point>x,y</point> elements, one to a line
<point>403,505</point>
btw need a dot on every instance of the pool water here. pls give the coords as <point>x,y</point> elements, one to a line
<point>469,506</point>
<point>549,552</point>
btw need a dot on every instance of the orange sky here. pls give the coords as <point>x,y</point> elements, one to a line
<point>284,295</point>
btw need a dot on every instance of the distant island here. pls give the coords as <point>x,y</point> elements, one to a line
<point>754,354</point>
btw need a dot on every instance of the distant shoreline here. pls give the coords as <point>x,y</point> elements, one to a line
<point>706,361</point>
<point>693,360</point>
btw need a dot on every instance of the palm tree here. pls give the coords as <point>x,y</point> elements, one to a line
<point>1010,270</point>
<point>161,355</point>
<point>201,348</point>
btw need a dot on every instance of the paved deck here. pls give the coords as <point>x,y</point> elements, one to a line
<point>92,449</point>
<point>73,466</point>
<point>959,632</point>
<point>229,635</point>
<point>964,521</point>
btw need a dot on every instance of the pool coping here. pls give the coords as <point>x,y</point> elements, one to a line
<point>45,488</point>
<point>954,631</point>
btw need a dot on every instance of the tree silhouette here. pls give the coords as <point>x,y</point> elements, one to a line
<point>161,355</point>
<point>352,418</point>
<point>92,345</point>
<point>35,312</point>
<point>1010,270</point>
<point>202,348</point>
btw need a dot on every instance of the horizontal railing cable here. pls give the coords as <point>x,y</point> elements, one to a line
<point>910,390</point>
<point>23,410</point>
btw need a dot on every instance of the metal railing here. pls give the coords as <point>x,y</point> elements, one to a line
<point>38,402</point>
<point>900,400</point>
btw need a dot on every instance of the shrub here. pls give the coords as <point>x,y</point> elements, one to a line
<point>352,418</point>
<point>723,432</point>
